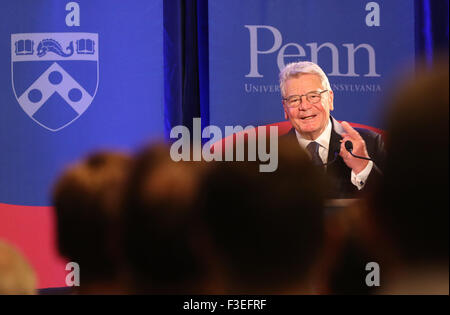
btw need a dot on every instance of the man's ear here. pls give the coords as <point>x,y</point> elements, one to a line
<point>331,98</point>
<point>285,114</point>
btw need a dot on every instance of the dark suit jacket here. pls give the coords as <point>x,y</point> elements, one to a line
<point>339,174</point>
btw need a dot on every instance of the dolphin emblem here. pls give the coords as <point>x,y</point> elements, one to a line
<point>51,45</point>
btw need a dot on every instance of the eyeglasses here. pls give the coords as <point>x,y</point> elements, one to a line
<point>312,97</point>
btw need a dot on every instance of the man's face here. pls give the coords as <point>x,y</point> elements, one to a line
<point>308,119</point>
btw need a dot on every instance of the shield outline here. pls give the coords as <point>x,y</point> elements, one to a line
<point>56,60</point>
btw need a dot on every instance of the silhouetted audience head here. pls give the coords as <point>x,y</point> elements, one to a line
<point>411,206</point>
<point>16,274</point>
<point>346,254</point>
<point>163,231</point>
<point>266,228</point>
<point>87,199</point>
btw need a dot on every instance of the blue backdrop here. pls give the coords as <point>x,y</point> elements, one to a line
<point>78,76</point>
<point>67,90</point>
<point>361,45</point>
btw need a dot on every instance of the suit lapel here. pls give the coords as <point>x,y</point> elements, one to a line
<point>334,139</point>
<point>291,133</point>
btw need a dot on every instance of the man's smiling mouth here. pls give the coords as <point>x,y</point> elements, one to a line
<point>308,117</point>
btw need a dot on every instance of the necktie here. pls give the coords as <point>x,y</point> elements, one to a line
<point>313,149</point>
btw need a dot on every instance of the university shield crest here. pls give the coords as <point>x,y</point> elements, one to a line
<point>54,76</point>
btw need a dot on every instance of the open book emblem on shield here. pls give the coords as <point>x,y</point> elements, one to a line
<point>55,76</point>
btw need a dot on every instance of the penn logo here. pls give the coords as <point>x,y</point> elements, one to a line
<point>55,76</point>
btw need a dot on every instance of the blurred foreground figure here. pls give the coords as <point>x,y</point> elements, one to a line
<point>266,228</point>
<point>16,274</point>
<point>87,199</point>
<point>410,210</point>
<point>164,238</point>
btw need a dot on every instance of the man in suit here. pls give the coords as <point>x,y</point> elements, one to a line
<point>307,99</point>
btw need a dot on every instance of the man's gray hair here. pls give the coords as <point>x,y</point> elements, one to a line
<point>295,69</point>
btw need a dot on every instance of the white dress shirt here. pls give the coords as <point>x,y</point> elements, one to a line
<point>359,180</point>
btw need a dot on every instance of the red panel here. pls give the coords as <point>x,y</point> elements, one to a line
<point>283,128</point>
<point>32,231</point>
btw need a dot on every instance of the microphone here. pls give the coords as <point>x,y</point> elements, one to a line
<point>349,147</point>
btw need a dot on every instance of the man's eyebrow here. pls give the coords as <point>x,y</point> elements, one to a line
<point>314,91</point>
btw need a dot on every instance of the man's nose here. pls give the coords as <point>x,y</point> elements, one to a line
<point>304,104</point>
